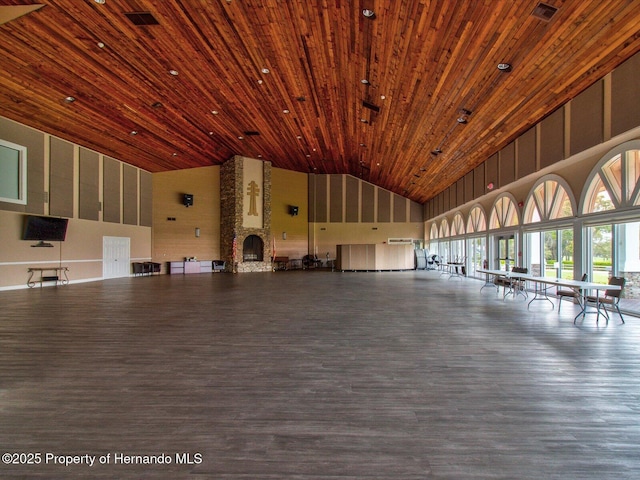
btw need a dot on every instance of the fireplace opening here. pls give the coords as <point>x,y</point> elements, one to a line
<point>252,249</point>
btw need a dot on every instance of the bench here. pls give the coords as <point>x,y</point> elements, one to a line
<point>280,263</point>
<point>145,268</point>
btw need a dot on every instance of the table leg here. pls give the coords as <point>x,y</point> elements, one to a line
<point>543,297</point>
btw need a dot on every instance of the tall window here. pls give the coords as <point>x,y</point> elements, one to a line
<point>443,245</point>
<point>476,244</point>
<point>549,251</point>
<point>477,254</point>
<point>433,239</point>
<point>13,173</point>
<point>612,238</point>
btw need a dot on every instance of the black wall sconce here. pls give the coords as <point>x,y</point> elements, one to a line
<point>293,210</point>
<point>187,200</point>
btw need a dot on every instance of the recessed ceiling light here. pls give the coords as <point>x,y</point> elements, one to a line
<point>265,70</point>
<point>504,67</point>
<point>369,13</point>
<point>382,97</point>
<point>462,120</point>
<point>101,45</point>
<point>299,137</point>
<point>101,2</point>
<point>285,111</point>
<point>215,112</point>
<point>260,82</point>
<point>133,132</point>
<point>69,99</point>
<point>240,137</point>
<point>174,154</point>
<point>364,81</point>
<point>363,120</point>
<point>173,72</point>
<point>210,133</point>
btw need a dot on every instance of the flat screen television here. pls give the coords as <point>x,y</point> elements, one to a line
<point>45,229</point>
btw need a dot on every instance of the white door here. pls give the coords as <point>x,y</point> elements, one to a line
<point>115,257</point>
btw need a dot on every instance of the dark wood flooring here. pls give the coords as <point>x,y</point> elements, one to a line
<point>314,375</point>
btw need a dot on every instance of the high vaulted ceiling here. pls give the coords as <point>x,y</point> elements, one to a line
<point>282,80</point>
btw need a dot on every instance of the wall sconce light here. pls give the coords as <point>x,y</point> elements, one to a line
<point>197,232</point>
<point>293,210</point>
<point>284,235</point>
<point>187,199</point>
<point>490,186</point>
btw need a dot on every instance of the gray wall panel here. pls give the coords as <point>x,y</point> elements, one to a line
<point>146,199</point>
<point>507,165</point>
<point>384,206</point>
<point>399,209</point>
<point>526,158</point>
<point>130,195</point>
<point>89,200</point>
<point>335,185</point>
<point>368,203</point>
<point>552,138</point>
<point>625,96</point>
<point>111,191</point>
<point>61,178</point>
<point>587,119</point>
<point>353,199</point>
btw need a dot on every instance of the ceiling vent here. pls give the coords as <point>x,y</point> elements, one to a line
<point>371,106</point>
<point>544,12</point>
<point>142,18</point>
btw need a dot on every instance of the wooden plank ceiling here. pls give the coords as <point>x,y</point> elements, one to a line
<point>428,63</point>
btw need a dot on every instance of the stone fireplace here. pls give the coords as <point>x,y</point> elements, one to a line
<point>245,215</point>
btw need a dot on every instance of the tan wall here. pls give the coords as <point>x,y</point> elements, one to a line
<point>67,180</point>
<point>81,251</point>
<point>347,210</point>
<point>289,189</point>
<point>329,235</point>
<point>174,240</point>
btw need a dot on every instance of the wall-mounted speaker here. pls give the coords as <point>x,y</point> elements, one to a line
<point>187,199</point>
<point>293,210</point>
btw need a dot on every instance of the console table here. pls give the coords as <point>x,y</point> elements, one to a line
<point>57,274</point>
<point>185,268</point>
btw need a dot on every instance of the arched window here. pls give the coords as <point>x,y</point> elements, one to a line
<point>504,213</point>
<point>477,221</point>
<point>457,226</point>
<point>433,234</point>
<point>615,182</point>
<point>444,228</point>
<point>548,200</point>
